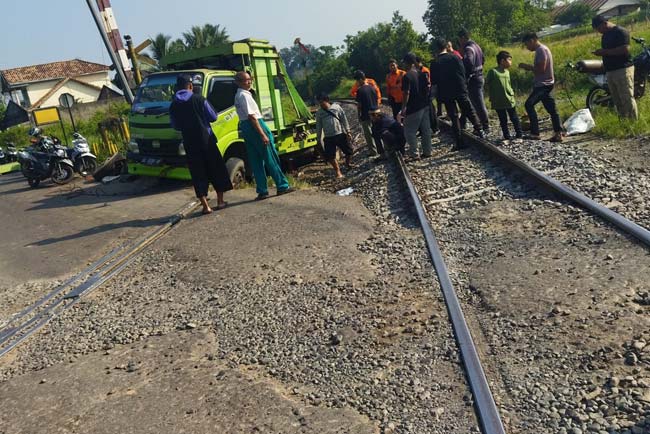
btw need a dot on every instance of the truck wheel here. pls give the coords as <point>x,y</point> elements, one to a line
<point>236,171</point>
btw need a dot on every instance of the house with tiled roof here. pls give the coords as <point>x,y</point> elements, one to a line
<point>41,85</point>
<point>606,8</point>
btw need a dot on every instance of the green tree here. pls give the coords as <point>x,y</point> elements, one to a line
<point>3,109</point>
<point>160,46</point>
<point>370,50</point>
<point>489,21</point>
<point>207,36</point>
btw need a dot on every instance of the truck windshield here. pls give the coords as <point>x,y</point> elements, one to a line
<point>156,91</point>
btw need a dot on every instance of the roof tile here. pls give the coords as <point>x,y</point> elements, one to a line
<point>51,71</point>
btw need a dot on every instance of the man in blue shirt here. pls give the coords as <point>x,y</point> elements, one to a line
<point>191,114</point>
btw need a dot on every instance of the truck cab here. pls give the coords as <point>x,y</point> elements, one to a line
<point>156,149</point>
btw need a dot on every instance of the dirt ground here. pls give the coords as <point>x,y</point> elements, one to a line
<point>267,317</point>
<point>50,233</point>
<point>169,383</point>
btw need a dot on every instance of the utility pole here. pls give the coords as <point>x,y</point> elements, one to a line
<point>119,68</point>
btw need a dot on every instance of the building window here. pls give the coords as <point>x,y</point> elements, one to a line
<point>20,97</point>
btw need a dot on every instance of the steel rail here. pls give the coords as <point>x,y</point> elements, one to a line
<point>486,408</point>
<point>111,268</point>
<point>628,226</point>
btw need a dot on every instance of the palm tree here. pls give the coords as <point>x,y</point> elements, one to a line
<point>207,36</point>
<point>160,46</point>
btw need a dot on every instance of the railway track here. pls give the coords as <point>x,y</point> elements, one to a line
<point>485,407</point>
<point>34,317</point>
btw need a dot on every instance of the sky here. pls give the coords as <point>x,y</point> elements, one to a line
<point>41,31</point>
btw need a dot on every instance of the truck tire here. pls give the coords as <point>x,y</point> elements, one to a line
<point>236,171</point>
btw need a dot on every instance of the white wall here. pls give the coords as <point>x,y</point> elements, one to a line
<point>81,93</point>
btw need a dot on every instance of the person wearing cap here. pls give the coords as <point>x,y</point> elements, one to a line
<point>394,86</point>
<point>333,131</point>
<point>258,138</point>
<point>367,99</point>
<point>543,82</point>
<point>388,133</point>
<point>415,113</point>
<point>473,61</point>
<point>192,115</point>
<point>619,68</point>
<point>448,74</point>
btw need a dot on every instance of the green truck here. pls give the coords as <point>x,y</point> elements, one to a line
<point>156,149</point>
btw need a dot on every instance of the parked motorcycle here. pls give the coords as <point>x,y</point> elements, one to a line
<point>10,153</point>
<point>43,161</point>
<point>599,94</point>
<point>85,163</point>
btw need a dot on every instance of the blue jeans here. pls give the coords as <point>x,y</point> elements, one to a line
<point>475,90</point>
<point>262,158</point>
<point>543,94</point>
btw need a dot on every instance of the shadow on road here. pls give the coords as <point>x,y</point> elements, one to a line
<point>136,223</point>
<point>79,194</point>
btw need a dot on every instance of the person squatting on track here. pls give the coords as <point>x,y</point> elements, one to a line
<point>388,133</point>
<point>448,74</point>
<point>502,96</point>
<point>473,61</point>
<point>191,114</point>
<point>368,97</point>
<point>618,65</point>
<point>333,131</point>
<point>415,113</point>
<point>543,82</point>
<point>260,145</point>
<point>394,87</point>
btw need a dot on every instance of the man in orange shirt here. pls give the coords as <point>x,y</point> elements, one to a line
<point>366,80</point>
<point>394,87</point>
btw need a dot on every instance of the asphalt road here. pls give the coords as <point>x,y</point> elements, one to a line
<point>53,231</point>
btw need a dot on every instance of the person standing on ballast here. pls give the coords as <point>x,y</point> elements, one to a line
<point>473,61</point>
<point>618,65</point>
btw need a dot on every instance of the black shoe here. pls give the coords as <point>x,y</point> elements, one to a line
<point>286,190</point>
<point>262,196</point>
<point>479,133</point>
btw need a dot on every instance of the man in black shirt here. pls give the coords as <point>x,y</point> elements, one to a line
<point>366,101</point>
<point>618,65</point>
<point>415,88</point>
<point>448,73</point>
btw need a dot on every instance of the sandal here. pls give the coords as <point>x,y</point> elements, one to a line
<point>206,211</point>
<point>222,205</point>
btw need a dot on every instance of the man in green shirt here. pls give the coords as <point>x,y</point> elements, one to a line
<point>502,97</point>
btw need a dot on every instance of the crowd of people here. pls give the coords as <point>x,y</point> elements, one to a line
<point>455,80</point>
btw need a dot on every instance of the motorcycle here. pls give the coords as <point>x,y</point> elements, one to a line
<point>599,95</point>
<point>43,161</point>
<point>85,163</point>
<point>11,152</point>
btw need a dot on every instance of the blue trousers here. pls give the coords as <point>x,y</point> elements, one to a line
<point>262,158</point>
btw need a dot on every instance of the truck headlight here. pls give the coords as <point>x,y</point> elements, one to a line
<point>133,147</point>
<point>181,149</point>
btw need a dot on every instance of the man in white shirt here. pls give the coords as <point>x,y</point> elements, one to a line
<point>260,146</point>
